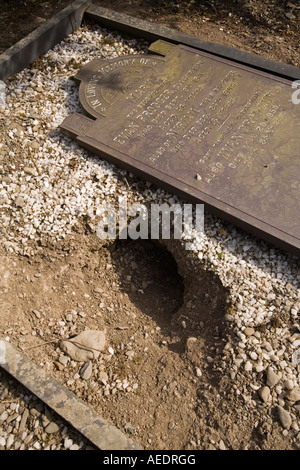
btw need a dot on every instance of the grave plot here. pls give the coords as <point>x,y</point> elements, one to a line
<point>201,356</point>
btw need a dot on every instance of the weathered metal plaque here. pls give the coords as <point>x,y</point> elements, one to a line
<point>206,128</point>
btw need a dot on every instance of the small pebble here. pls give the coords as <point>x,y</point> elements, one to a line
<point>272,378</point>
<point>264,393</point>
<point>68,443</point>
<point>86,370</point>
<point>52,427</point>
<point>249,331</point>
<point>284,417</point>
<point>74,447</point>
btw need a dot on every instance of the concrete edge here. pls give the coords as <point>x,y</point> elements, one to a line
<point>37,43</point>
<point>152,32</point>
<point>55,29</point>
<point>62,401</point>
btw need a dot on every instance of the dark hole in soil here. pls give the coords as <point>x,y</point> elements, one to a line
<point>148,274</point>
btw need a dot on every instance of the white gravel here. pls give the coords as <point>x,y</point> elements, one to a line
<point>47,195</point>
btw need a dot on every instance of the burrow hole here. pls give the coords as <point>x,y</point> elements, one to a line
<point>148,273</point>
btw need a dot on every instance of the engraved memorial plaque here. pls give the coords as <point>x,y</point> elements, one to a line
<point>206,128</point>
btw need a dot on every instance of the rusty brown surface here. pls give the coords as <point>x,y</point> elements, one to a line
<point>208,129</point>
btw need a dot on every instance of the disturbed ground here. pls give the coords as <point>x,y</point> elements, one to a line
<point>164,313</point>
<point>260,27</point>
<point>134,292</point>
<point>268,28</point>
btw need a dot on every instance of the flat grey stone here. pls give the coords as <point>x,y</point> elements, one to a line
<point>85,346</point>
<point>64,360</point>
<point>86,370</point>
<point>290,16</point>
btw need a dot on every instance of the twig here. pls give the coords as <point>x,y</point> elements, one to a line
<point>66,339</point>
<point>34,162</point>
<point>87,348</point>
<point>128,185</point>
<point>40,345</point>
<point>7,401</point>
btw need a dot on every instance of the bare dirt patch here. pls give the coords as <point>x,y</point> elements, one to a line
<point>258,27</point>
<point>268,28</point>
<point>161,326</point>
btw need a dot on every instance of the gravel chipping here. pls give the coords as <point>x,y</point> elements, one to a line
<point>49,186</point>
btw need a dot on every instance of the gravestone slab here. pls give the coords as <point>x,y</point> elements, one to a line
<point>206,128</point>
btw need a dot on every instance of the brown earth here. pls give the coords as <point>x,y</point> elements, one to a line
<point>135,292</point>
<point>260,27</point>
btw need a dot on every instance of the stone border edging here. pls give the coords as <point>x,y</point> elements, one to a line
<point>62,401</point>
<point>37,43</point>
<point>153,31</point>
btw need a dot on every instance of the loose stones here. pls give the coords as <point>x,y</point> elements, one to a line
<point>85,346</point>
